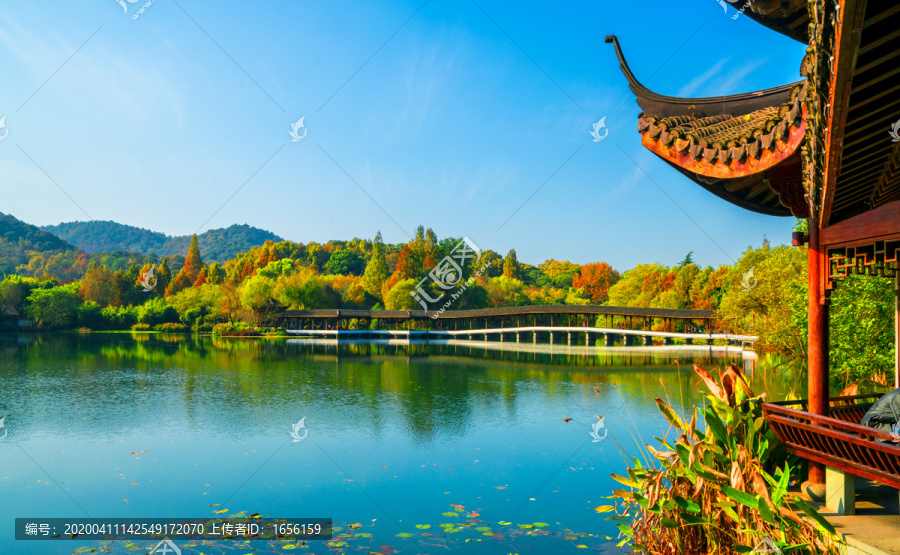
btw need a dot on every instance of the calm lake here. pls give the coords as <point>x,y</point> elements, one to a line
<point>409,448</point>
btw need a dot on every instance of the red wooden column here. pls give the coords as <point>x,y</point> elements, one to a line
<point>897,327</point>
<point>818,339</point>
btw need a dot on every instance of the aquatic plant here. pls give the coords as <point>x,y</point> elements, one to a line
<point>720,490</point>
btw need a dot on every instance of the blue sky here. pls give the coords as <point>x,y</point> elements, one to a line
<point>447,114</point>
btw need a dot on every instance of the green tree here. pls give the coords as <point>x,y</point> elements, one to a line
<point>156,311</point>
<point>764,302</point>
<point>399,297</point>
<point>688,259</point>
<point>257,296</point>
<point>54,308</point>
<point>861,328</point>
<point>215,274</point>
<point>306,291</point>
<point>495,269</point>
<point>346,262</point>
<point>377,271</point>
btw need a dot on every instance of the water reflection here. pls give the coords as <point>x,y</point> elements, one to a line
<point>418,425</point>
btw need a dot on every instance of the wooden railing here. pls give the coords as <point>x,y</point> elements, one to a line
<point>838,442</point>
<point>849,409</point>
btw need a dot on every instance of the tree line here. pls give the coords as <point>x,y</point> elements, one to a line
<point>763,293</point>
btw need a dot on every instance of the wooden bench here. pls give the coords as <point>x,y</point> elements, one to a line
<point>840,443</point>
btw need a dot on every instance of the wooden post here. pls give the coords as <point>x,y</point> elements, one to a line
<point>818,340</point>
<point>897,328</point>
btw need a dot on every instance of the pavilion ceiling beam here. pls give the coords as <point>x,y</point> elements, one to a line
<point>876,63</point>
<point>881,77</point>
<point>846,49</point>
<point>867,114</point>
<point>881,16</point>
<point>867,227</point>
<point>858,168</point>
<point>866,138</point>
<point>883,40</point>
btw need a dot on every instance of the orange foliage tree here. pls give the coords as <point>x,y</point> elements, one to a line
<point>594,281</point>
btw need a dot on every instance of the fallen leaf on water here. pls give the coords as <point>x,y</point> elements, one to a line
<point>134,483</point>
<point>567,419</point>
<point>220,511</point>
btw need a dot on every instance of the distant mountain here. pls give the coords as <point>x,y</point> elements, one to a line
<point>17,239</point>
<point>216,245</point>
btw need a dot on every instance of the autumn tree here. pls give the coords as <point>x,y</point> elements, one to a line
<point>98,286</point>
<point>594,280</point>
<point>505,291</point>
<point>407,268</point>
<point>560,274</point>
<point>188,274</point>
<point>511,267</point>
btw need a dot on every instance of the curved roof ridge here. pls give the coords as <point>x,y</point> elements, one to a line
<point>667,106</point>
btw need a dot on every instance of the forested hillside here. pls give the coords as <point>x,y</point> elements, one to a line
<point>217,245</point>
<point>19,241</point>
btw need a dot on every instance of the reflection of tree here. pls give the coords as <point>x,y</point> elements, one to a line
<point>225,387</point>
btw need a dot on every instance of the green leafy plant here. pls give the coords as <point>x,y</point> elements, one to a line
<point>720,490</point>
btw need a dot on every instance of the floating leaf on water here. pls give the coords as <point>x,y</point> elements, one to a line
<point>541,524</point>
<point>604,508</point>
<point>423,526</point>
<point>449,514</point>
<point>404,535</point>
<point>504,523</point>
<point>526,526</point>
<point>483,529</point>
<point>220,511</point>
<point>363,535</point>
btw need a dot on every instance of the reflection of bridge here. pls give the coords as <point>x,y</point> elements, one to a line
<point>569,323</point>
<point>591,335</point>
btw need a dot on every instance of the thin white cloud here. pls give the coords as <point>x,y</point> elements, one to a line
<point>702,79</point>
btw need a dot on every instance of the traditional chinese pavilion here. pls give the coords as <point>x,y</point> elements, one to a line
<point>825,148</point>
